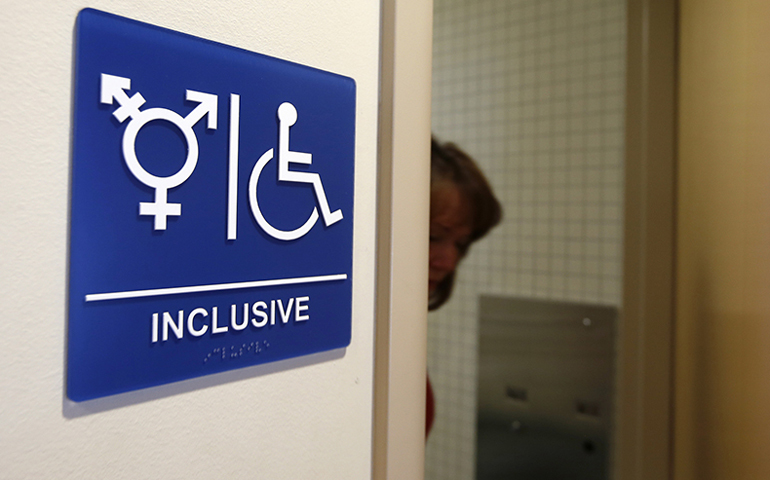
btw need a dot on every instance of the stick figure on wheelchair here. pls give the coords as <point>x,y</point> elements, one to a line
<point>287,116</point>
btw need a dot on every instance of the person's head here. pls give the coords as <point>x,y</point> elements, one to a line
<point>462,210</point>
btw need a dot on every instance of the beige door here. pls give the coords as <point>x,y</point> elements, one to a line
<point>722,392</point>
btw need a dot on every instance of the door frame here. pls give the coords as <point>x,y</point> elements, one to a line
<point>403,206</point>
<point>644,375</point>
<point>644,402</point>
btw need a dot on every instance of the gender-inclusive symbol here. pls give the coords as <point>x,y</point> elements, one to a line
<point>287,116</point>
<point>113,87</point>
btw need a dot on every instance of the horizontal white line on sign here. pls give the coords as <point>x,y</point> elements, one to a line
<point>96,297</point>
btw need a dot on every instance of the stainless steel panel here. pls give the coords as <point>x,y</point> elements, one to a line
<point>545,389</point>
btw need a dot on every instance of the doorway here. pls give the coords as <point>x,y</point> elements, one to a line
<point>534,90</point>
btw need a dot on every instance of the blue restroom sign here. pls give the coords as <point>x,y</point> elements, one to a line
<point>211,208</point>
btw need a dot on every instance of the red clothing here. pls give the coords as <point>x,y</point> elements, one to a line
<point>430,408</point>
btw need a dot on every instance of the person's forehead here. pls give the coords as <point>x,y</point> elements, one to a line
<point>449,208</point>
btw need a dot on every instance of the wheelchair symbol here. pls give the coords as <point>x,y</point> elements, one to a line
<point>112,88</point>
<point>287,116</point>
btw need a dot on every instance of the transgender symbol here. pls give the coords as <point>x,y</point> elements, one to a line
<point>113,88</point>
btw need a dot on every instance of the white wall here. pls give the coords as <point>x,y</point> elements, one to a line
<point>303,418</point>
<point>534,91</point>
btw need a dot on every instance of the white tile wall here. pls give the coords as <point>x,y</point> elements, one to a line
<point>533,90</point>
